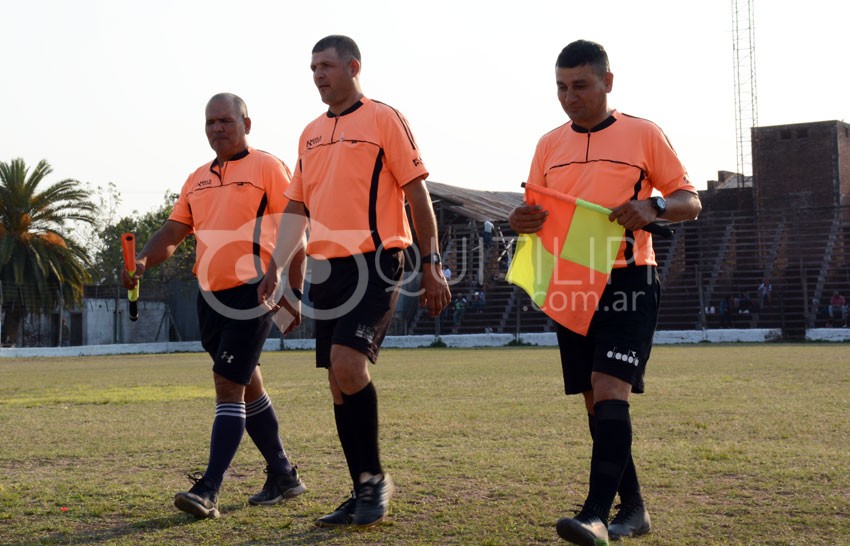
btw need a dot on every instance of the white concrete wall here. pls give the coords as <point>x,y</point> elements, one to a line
<point>459,341</point>
<point>828,334</point>
<point>99,322</point>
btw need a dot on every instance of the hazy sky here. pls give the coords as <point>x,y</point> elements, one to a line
<point>114,91</point>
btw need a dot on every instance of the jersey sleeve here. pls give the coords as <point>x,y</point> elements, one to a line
<point>666,173</point>
<point>537,172</point>
<point>182,212</point>
<point>295,190</point>
<point>277,180</point>
<point>401,151</point>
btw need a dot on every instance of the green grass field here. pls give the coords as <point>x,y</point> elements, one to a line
<point>736,444</point>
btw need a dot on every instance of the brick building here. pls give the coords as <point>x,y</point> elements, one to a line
<point>802,165</point>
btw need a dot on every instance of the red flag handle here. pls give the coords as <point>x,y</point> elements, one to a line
<point>128,245</point>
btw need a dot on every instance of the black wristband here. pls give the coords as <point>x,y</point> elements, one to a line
<point>298,294</point>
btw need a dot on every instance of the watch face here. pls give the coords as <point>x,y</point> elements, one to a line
<point>660,205</point>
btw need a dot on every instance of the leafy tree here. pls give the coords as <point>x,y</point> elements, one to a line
<point>90,235</point>
<point>40,267</point>
<point>108,256</point>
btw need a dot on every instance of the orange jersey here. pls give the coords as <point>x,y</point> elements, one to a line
<point>234,211</point>
<point>621,159</point>
<point>350,173</point>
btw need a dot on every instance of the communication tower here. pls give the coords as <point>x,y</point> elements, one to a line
<point>746,103</point>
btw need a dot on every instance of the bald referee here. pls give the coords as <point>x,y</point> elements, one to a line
<point>232,204</point>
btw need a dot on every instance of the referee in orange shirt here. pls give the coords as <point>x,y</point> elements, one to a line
<point>357,165</point>
<point>617,161</point>
<point>233,205</point>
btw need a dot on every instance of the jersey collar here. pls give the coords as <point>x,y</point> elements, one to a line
<point>347,111</point>
<point>236,157</point>
<point>607,122</point>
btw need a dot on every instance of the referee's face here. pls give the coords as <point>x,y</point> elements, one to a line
<point>226,128</point>
<point>335,79</point>
<point>583,94</point>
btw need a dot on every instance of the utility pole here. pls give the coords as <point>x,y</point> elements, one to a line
<point>116,316</point>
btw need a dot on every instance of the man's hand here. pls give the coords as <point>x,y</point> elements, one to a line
<point>268,286</point>
<point>527,218</point>
<point>435,294</point>
<point>682,205</point>
<point>159,248</point>
<point>128,281</point>
<point>635,214</point>
<point>285,306</point>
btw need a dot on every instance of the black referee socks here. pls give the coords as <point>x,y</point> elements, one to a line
<point>612,446</point>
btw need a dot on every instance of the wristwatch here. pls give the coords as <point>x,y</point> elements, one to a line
<point>660,205</point>
<point>434,259</point>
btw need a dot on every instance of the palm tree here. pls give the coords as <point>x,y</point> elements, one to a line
<point>39,267</point>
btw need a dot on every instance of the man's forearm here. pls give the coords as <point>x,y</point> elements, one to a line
<point>298,267</point>
<point>163,243</point>
<point>682,205</point>
<point>291,242</point>
<point>424,221</point>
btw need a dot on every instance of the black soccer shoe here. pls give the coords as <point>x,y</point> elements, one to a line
<point>343,516</point>
<point>278,487</point>
<point>373,500</point>
<point>584,530</point>
<point>630,521</point>
<point>201,500</point>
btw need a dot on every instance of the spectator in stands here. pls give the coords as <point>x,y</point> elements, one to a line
<point>477,301</point>
<point>837,309</point>
<point>745,303</point>
<point>459,308</point>
<point>488,234</point>
<point>599,155</point>
<point>726,312</point>
<point>447,273</point>
<point>765,290</point>
<point>241,188</point>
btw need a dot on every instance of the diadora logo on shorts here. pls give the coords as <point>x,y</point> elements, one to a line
<point>630,357</point>
<point>227,357</point>
<point>417,161</point>
<point>314,141</point>
<point>365,332</point>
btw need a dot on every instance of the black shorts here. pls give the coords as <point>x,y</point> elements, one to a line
<point>619,340</point>
<point>354,304</point>
<point>233,330</point>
